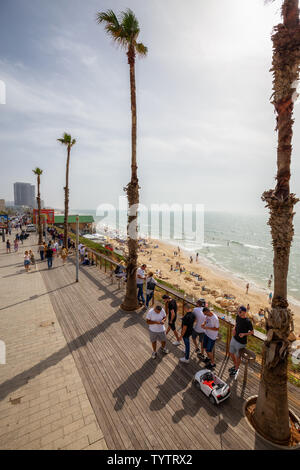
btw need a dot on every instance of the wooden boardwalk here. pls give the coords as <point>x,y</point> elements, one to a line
<point>142,403</point>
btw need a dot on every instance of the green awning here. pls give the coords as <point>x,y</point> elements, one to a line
<point>83,219</point>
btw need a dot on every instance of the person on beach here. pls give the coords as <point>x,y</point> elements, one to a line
<point>247,288</point>
<point>197,257</point>
<point>243,329</point>
<point>198,331</point>
<point>150,287</point>
<point>156,318</point>
<point>188,321</point>
<point>211,328</point>
<point>49,256</point>
<point>248,308</point>
<point>140,277</point>
<point>41,251</point>
<point>16,245</point>
<point>270,298</point>
<point>26,261</point>
<point>171,309</point>
<point>7,246</point>
<point>191,259</point>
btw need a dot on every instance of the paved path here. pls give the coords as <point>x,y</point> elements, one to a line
<point>43,403</point>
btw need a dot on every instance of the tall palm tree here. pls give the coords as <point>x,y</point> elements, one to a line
<point>271,413</point>
<point>38,172</point>
<point>68,142</point>
<point>124,31</point>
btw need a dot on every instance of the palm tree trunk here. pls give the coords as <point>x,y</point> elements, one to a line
<point>132,189</point>
<point>67,199</point>
<point>271,414</point>
<point>39,211</point>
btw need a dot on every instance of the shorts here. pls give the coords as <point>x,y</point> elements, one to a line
<point>157,336</point>
<point>26,263</point>
<point>195,334</point>
<point>235,347</point>
<point>208,343</point>
<point>172,326</point>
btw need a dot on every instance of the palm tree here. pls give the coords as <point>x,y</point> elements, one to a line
<point>38,172</point>
<point>68,142</point>
<point>271,414</point>
<point>124,31</point>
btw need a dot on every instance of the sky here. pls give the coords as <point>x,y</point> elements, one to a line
<point>206,128</point>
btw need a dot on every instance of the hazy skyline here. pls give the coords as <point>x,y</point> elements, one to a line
<point>205,124</point>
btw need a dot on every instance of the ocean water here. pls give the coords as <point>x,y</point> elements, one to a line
<point>238,243</point>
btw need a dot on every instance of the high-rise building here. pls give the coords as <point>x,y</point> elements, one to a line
<point>24,194</point>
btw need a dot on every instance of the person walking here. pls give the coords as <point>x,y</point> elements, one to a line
<point>49,256</point>
<point>243,328</point>
<point>32,259</point>
<point>64,254</point>
<point>26,261</point>
<point>247,287</point>
<point>150,287</point>
<point>188,321</point>
<point>7,246</point>
<point>140,277</point>
<point>156,318</point>
<point>16,245</point>
<point>198,331</point>
<point>41,251</point>
<point>171,309</point>
<point>211,328</point>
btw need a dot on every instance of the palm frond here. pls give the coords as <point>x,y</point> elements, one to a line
<point>130,24</point>
<point>141,49</point>
<point>37,171</point>
<point>65,139</point>
<point>112,25</point>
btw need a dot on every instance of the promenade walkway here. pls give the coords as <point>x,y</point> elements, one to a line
<point>139,403</point>
<point>43,403</point>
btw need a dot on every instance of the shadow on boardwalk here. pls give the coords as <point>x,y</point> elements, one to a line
<point>13,384</point>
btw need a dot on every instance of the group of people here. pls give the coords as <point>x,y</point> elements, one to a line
<point>202,325</point>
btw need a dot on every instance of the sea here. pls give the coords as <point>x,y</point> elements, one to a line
<point>239,244</point>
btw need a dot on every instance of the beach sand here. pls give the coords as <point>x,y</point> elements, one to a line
<point>214,278</point>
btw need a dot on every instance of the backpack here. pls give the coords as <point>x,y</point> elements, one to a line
<point>151,284</point>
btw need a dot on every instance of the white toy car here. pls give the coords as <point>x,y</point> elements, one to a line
<point>212,386</point>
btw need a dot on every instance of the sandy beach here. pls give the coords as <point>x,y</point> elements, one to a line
<point>218,282</point>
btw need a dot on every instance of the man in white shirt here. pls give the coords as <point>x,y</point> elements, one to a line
<point>198,331</point>
<point>140,278</point>
<point>211,328</point>
<point>156,318</point>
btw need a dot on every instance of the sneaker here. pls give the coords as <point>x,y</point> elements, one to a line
<point>165,350</point>
<point>183,359</point>
<point>197,350</point>
<point>201,356</point>
<point>233,372</point>
<point>206,360</point>
<point>154,354</point>
<point>231,368</point>
<point>176,343</point>
<point>210,366</point>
